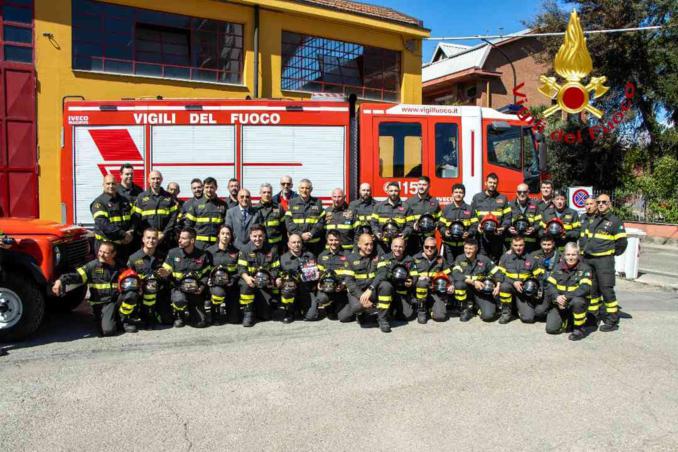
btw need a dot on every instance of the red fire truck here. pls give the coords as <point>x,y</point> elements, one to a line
<point>333,143</point>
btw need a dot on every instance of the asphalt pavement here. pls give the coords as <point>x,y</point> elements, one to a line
<point>331,386</point>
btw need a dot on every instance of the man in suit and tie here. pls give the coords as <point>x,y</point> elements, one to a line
<point>241,218</point>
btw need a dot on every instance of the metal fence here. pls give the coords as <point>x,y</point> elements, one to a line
<point>633,207</point>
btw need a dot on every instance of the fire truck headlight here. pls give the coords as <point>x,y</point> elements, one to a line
<point>57,256</point>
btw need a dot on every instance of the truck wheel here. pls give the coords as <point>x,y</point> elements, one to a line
<point>22,307</point>
<point>69,301</point>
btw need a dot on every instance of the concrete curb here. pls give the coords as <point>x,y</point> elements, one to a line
<point>664,283</point>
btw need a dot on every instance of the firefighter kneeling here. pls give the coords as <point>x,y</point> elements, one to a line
<point>190,268</point>
<point>331,295</point>
<point>431,283</point>
<point>367,292</point>
<point>396,267</point>
<point>476,283</point>
<point>566,291</point>
<point>298,279</point>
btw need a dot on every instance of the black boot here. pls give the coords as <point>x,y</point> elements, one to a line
<point>506,314</point>
<point>248,317</point>
<point>288,314</point>
<point>382,320</point>
<point>467,313</point>
<point>219,314</point>
<point>422,315</point>
<point>577,334</point>
<point>150,317</point>
<point>610,323</point>
<point>209,311</point>
<point>128,325</point>
<point>179,319</point>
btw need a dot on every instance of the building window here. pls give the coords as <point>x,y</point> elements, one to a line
<point>314,64</point>
<point>447,154</point>
<point>399,149</point>
<point>16,42</point>
<point>124,40</point>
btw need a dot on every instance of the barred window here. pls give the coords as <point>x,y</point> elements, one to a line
<point>125,40</point>
<point>314,64</point>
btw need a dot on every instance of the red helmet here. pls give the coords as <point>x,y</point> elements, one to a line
<point>489,224</point>
<point>129,281</point>
<point>440,282</point>
<point>555,228</point>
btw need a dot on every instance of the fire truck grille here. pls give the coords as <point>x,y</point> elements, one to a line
<point>74,254</point>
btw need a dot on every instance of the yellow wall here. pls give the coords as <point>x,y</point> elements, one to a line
<point>56,78</point>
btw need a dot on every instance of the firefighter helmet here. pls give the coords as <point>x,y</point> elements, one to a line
<point>440,283</point>
<point>457,230</point>
<point>220,277</point>
<point>488,286</point>
<point>288,284</point>
<point>399,275</point>
<point>531,287</point>
<point>489,224</point>
<point>263,279</point>
<point>190,283</point>
<point>390,230</point>
<point>426,224</point>
<point>329,281</point>
<point>151,284</point>
<point>129,281</point>
<point>521,224</point>
<point>555,228</point>
<point>363,229</point>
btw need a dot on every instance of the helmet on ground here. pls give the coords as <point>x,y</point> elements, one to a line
<point>129,281</point>
<point>426,224</point>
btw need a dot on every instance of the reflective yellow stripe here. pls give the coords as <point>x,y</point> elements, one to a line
<point>272,223</point>
<point>365,276</point>
<point>146,213</point>
<point>101,286</point>
<point>567,288</point>
<point>286,300</point>
<point>167,266</point>
<point>105,239</point>
<point>83,274</point>
<point>602,253</point>
<point>275,239</point>
<point>100,213</point>
<point>206,238</point>
<point>178,275</point>
<point>242,262</point>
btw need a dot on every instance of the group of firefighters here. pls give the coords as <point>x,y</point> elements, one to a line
<point>211,261</point>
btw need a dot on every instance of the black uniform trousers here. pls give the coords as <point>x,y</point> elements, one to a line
<point>226,298</point>
<point>191,304</point>
<point>603,285</point>
<point>260,301</point>
<point>470,298</point>
<point>557,319</point>
<point>331,303</point>
<point>106,318</point>
<point>434,302</point>
<point>381,299</point>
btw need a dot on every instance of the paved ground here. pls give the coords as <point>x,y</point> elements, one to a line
<point>328,386</point>
<point>659,265</point>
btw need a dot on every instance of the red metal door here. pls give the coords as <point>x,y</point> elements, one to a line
<point>18,151</point>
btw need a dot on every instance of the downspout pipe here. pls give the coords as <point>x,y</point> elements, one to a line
<point>255,89</point>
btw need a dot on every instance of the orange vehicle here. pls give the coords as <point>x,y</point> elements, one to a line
<point>35,254</point>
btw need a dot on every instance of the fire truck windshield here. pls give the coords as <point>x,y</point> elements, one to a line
<point>513,147</point>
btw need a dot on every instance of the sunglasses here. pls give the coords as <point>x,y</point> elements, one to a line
<point>521,192</point>
<point>285,183</point>
<point>429,247</point>
<point>602,202</point>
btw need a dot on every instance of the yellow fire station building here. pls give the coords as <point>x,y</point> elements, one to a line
<point>55,50</point>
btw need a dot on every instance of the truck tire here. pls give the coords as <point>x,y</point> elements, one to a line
<point>25,307</point>
<point>69,301</point>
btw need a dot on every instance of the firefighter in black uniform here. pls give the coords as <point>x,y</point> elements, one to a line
<point>491,202</point>
<point>272,217</point>
<point>233,190</point>
<point>112,216</point>
<point>546,201</point>
<point>457,212</point>
<point>155,208</point>
<point>427,265</point>
<point>566,291</point>
<point>207,215</point>
<point>606,239</point>
<point>367,291</point>
<point>524,212</point>
<point>333,260</point>
<point>146,263</point>
<point>363,206</point>
<point>340,217</point>
<point>306,217</point>
<point>188,262</point>
<point>547,257</point>
<point>391,209</point>
<point>591,210</point>
<point>421,204</point>
<point>569,218</point>
<point>258,267</point>
<point>476,283</point>
<point>127,188</point>
<point>101,277</point>
<point>403,305</point>
<point>223,301</point>
<point>517,267</point>
<point>197,190</point>
<point>303,267</point>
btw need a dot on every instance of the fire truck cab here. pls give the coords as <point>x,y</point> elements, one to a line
<point>335,144</point>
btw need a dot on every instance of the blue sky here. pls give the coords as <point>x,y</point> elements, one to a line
<point>465,17</point>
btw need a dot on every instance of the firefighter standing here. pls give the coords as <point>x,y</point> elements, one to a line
<point>306,217</point>
<point>256,261</point>
<point>101,277</point>
<point>476,283</point>
<point>303,267</point>
<point>223,302</point>
<point>331,261</point>
<point>188,262</point>
<point>546,201</point>
<point>112,216</point>
<point>523,209</point>
<point>391,210</point>
<point>456,224</point>
<point>518,267</point>
<point>340,217</point>
<point>367,292</point>
<point>145,262</point>
<point>486,203</point>
<point>127,188</point>
<point>155,208</point>
<point>363,206</point>
<point>233,190</point>
<point>272,217</point>
<point>286,194</point>
<point>427,265</point>
<point>402,302</point>
<point>568,217</point>
<point>566,291</point>
<point>591,210</point>
<point>207,215</point>
<point>421,204</point>
<point>606,239</point>
<point>197,190</point>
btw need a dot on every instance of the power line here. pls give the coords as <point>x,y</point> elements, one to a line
<point>558,33</point>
